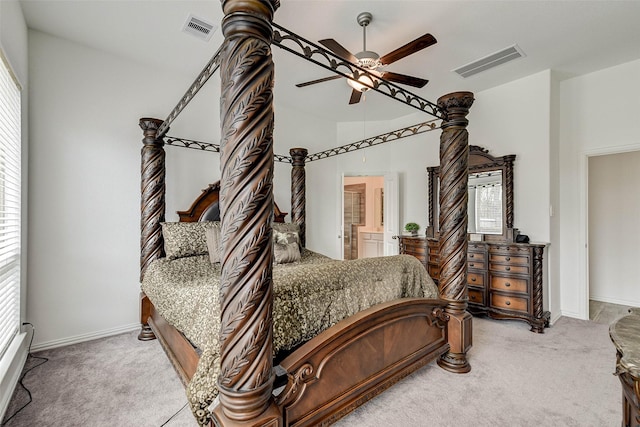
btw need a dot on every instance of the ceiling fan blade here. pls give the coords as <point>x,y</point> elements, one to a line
<point>405,80</point>
<point>355,97</point>
<point>324,79</point>
<point>408,49</point>
<point>339,50</point>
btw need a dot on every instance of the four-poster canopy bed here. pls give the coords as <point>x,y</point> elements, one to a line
<point>352,358</point>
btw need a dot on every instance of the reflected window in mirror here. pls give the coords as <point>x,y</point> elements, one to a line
<point>485,202</point>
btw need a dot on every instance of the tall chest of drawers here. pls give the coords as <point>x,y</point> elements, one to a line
<point>505,280</point>
<point>415,246</point>
<point>515,273</point>
<point>426,250</point>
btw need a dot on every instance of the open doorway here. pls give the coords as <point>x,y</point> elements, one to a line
<point>369,210</point>
<point>613,229</point>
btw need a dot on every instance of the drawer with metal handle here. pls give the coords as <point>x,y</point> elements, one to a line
<point>476,296</point>
<point>478,265</point>
<point>514,269</point>
<point>509,284</point>
<point>476,256</point>
<point>475,279</point>
<point>508,302</point>
<point>509,259</point>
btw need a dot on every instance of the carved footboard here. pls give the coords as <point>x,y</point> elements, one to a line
<point>360,357</point>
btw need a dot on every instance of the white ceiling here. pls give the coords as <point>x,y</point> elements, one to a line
<point>570,37</point>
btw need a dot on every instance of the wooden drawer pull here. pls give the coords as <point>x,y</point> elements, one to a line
<point>471,265</point>
<point>470,255</point>
<point>507,302</point>
<point>473,297</point>
<point>507,284</point>
<point>507,258</point>
<point>507,268</point>
<point>473,279</point>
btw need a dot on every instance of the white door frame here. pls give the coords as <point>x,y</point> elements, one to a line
<point>584,219</point>
<point>391,209</point>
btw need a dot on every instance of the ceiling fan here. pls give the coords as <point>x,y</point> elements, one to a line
<point>373,62</point>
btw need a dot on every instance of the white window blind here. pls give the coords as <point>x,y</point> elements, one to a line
<point>10,183</point>
<point>489,208</point>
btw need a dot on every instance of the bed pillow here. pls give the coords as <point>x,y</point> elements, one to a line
<point>285,238</point>
<point>284,227</point>
<point>183,239</point>
<point>214,244</point>
<point>285,233</point>
<point>286,253</point>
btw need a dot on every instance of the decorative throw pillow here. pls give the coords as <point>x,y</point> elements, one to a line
<point>286,253</point>
<point>290,230</point>
<point>286,237</point>
<point>214,244</point>
<point>183,239</point>
<point>284,227</point>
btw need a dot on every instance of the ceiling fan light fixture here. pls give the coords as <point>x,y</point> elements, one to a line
<point>362,83</point>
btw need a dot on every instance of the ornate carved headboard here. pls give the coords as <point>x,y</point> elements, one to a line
<point>206,207</point>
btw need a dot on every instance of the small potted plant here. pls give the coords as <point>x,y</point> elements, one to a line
<point>412,228</point>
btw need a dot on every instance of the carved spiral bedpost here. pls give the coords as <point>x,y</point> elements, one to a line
<point>454,166</point>
<point>298,191</point>
<point>152,208</point>
<point>432,171</point>
<point>246,201</point>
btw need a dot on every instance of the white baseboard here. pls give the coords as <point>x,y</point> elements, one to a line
<point>47,345</point>
<point>555,318</point>
<point>11,365</point>
<point>614,301</point>
<point>572,314</point>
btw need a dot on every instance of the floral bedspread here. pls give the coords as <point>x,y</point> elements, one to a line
<point>309,296</point>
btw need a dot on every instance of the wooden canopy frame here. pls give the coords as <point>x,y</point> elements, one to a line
<point>247,374</point>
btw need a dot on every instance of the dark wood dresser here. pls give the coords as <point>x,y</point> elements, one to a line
<point>625,335</point>
<point>426,254</point>
<point>505,279</point>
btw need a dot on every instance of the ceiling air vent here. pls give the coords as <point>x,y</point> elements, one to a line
<point>199,27</point>
<point>490,61</point>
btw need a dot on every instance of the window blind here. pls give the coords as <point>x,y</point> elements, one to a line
<point>10,189</point>
<point>489,208</point>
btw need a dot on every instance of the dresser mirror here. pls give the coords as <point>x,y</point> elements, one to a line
<point>490,206</point>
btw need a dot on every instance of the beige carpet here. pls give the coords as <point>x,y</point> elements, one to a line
<point>518,378</point>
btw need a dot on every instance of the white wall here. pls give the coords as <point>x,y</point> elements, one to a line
<point>614,205</point>
<point>598,115</point>
<point>84,181</point>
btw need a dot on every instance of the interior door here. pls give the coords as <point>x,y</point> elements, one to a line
<point>391,204</point>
